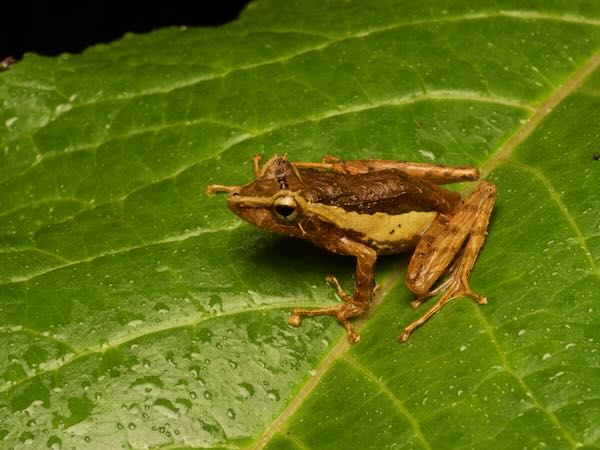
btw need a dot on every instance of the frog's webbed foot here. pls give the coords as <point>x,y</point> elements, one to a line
<point>342,312</point>
<point>350,308</point>
<point>454,287</point>
<point>447,286</point>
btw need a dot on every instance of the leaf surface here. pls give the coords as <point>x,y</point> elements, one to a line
<point>136,312</point>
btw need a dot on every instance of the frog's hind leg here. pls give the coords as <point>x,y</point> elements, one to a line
<point>364,286</point>
<point>434,173</point>
<point>447,249</point>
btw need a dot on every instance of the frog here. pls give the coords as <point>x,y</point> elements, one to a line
<point>365,208</point>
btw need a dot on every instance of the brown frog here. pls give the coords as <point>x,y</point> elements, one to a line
<point>366,208</point>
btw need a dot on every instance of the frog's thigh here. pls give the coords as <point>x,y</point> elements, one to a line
<point>440,244</point>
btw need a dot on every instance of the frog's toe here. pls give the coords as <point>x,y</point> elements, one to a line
<point>353,337</point>
<point>295,320</point>
<point>404,336</point>
<point>333,282</point>
<point>417,302</point>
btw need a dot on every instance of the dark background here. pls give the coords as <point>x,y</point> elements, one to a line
<point>51,29</point>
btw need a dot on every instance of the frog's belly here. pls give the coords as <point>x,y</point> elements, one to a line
<point>386,233</point>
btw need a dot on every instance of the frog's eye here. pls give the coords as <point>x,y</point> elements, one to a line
<point>286,209</point>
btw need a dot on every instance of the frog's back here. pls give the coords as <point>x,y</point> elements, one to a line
<point>385,191</point>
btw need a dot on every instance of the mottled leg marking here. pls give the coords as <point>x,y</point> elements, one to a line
<point>364,284</point>
<point>431,259</point>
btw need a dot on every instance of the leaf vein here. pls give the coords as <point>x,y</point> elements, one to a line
<point>171,239</point>
<point>513,14</point>
<point>555,196</point>
<point>398,404</point>
<point>570,86</point>
<point>507,367</point>
<point>169,327</point>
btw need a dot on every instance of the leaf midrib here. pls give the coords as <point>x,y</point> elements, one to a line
<point>341,347</point>
<point>519,379</point>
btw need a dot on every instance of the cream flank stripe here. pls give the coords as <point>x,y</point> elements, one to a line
<point>379,227</point>
<point>570,86</point>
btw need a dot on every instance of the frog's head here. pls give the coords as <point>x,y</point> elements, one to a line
<point>272,201</point>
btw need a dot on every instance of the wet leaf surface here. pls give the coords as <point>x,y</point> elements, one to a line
<point>135,312</point>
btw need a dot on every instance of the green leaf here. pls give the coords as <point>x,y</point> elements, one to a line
<point>136,312</point>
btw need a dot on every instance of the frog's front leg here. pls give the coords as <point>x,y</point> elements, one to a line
<point>364,285</point>
<point>256,159</point>
<point>443,246</point>
<point>213,189</point>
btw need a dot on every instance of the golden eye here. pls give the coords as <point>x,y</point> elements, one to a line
<point>286,209</point>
